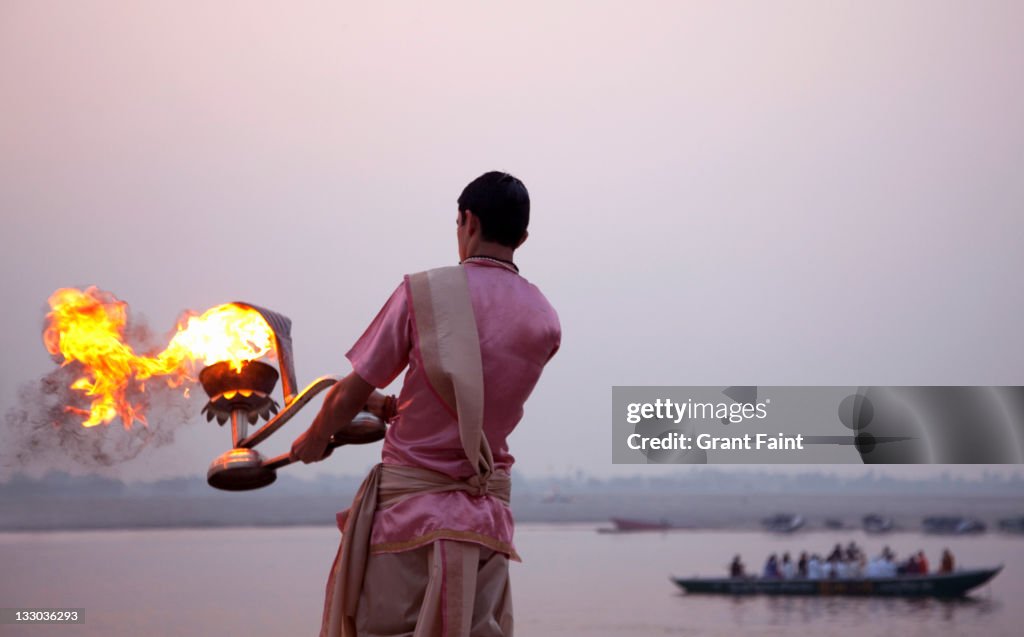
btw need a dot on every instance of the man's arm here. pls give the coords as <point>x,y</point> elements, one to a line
<point>343,401</point>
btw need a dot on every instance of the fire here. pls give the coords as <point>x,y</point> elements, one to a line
<point>224,333</point>
<point>88,327</point>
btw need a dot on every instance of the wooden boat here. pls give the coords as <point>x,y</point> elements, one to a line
<point>874,523</point>
<point>555,496</point>
<point>628,524</point>
<point>952,525</point>
<point>783,522</point>
<point>955,584</point>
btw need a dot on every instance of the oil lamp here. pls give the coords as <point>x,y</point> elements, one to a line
<point>240,392</point>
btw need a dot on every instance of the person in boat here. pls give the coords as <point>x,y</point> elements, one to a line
<point>922,563</point>
<point>889,563</point>
<point>736,568</point>
<point>771,567</point>
<point>815,568</point>
<point>801,566</point>
<point>906,567</point>
<point>881,565</point>
<point>853,552</point>
<point>787,569</point>
<point>828,567</point>
<point>874,568</point>
<point>911,567</point>
<point>841,568</point>
<point>428,539</point>
<point>888,556</point>
<point>836,554</point>
<point>946,566</point>
<point>855,560</point>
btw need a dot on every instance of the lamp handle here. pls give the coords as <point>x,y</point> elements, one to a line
<point>289,410</point>
<point>364,430</point>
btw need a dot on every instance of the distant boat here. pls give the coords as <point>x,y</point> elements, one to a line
<point>834,524</point>
<point>783,522</point>
<point>1012,525</point>
<point>628,524</point>
<point>555,496</point>
<point>874,523</point>
<point>952,525</point>
<point>955,584</point>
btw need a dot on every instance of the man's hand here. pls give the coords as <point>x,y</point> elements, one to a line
<point>310,448</point>
<point>342,403</point>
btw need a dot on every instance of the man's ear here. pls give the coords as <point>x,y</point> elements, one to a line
<point>474,223</point>
<point>526,234</point>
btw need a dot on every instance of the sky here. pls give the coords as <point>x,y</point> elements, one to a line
<point>723,193</point>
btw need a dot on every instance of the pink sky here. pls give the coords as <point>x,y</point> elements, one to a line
<point>724,193</point>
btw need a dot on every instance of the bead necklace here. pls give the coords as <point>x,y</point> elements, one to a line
<point>505,263</point>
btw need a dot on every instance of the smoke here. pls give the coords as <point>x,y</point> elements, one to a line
<point>43,432</point>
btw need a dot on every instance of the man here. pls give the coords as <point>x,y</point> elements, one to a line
<point>947,562</point>
<point>426,544</point>
<point>736,568</point>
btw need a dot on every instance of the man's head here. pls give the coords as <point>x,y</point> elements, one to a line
<point>494,211</point>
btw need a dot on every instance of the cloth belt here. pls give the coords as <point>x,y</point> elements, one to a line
<point>387,485</point>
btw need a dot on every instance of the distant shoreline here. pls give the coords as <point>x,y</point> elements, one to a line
<point>685,510</point>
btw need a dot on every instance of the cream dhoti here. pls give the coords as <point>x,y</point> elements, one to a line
<point>456,593</point>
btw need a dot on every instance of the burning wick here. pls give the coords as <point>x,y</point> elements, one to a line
<point>87,327</point>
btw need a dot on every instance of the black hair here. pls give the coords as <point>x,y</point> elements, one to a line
<point>502,204</point>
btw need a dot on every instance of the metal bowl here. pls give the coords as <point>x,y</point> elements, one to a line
<point>219,378</point>
<point>239,470</point>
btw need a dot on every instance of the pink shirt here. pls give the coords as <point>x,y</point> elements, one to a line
<point>519,332</point>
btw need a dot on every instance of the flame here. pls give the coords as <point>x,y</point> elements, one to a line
<point>88,327</point>
<point>224,333</point>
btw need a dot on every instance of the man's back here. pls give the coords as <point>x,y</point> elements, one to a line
<point>518,332</point>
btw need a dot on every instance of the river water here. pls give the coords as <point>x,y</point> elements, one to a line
<point>573,582</point>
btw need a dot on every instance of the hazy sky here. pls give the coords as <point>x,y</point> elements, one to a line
<point>723,192</point>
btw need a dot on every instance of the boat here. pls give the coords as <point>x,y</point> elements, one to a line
<point>555,496</point>
<point>874,523</point>
<point>834,524</point>
<point>628,524</point>
<point>783,522</point>
<point>952,525</point>
<point>955,584</point>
